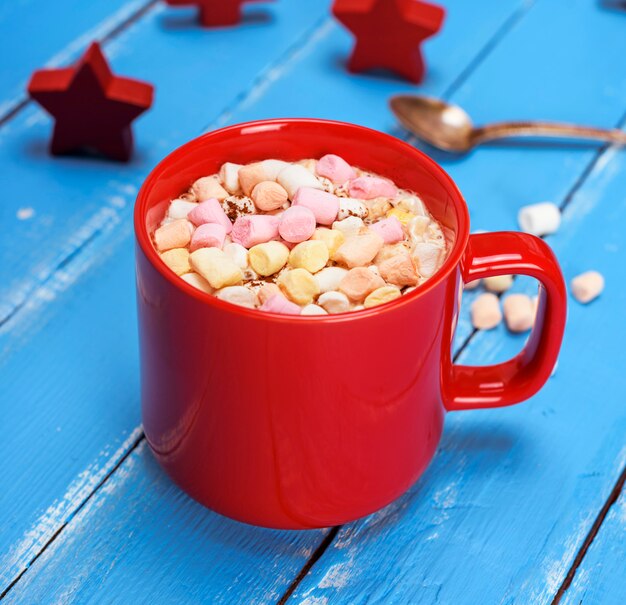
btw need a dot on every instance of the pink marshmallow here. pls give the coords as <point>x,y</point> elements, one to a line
<point>369,187</point>
<point>210,211</point>
<point>254,229</point>
<point>390,229</point>
<point>325,206</point>
<point>208,235</point>
<point>279,304</point>
<point>297,224</point>
<point>335,168</point>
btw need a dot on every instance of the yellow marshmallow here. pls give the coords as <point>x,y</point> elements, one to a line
<point>333,238</point>
<point>404,217</point>
<point>177,259</point>
<point>299,286</point>
<point>382,295</point>
<point>268,258</point>
<point>216,267</point>
<point>197,281</point>
<point>310,255</point>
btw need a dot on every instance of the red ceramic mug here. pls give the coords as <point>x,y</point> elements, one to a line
<point>302,422</point>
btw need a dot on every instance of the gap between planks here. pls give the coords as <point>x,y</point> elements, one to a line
<point>19,104</point>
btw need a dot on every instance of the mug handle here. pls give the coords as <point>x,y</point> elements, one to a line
<point>498,253</point>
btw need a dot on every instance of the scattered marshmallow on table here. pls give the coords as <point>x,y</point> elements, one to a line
<point>498,283</point>
<point>485,311</point>
<point>519,312</point>
<point>587,286</point>
<point>306,237</point>
<point>539,219</point>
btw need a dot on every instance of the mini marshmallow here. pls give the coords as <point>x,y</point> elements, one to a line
<point>418,226</point>
<point>273,168</point>
<point>427,257</point>
<point>237,295</point>
<point>390,229</point>
<point>176,234</point>
<point>359,283</point>
<point>209,235</point>
<point>349,226</point>
<point>313,310</point>
<point>485,311</point>
<point>210,211</point>
<point>399,270</point>
<point>335,168</point>
<point>254,229</point>
<point>333,238</point>
<point>368,187</point>
<point>215,267</point>
<point>519,312</point>
<point>587,286</point>
<point>539,219</point>
<point>359,250</point>
<point>324,206</point>
<point>334,302</point>
<point>311,255</point>
<point>236,206</point>
<point>268,258</point>
<point>177,259</point>
<point>268,195</point>
<point>498,283</point>
<point>412,204</point>
<point>208,187</point>
<point>472,285</point>
<point>197,281</point>
<point>251,175</point>
<point>391,250</point>
<point>180,208</point>
<point>298,285</point>
<point>279,304</point>
<point>374,269</point>
<point>297,224</point>
<point>404,217</point>
<point>382,295</point>
<point>237,253</point>
<point>295,176</point>
<point>351,207</point>
<point>329,278</point>
<point>378,207</point>
<point>229,175</point>
<point>266,291</point>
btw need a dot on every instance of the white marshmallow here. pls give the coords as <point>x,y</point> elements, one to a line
<point>412,204</point>
<point>328,279</point>
<point>197,281</point>
<point>313,310</point>
<point>587,286</point>
<point>237,253</point>
<point>519,312</point>
<point>229,175</point>
<point>272,168</point>
<point>427,257</point>
<point>418,226</point>
<point>180,209</point>
<point>351,207</point>
<point>539,219</point>
<point>238,295</point>
<point>334,302</point>
<point>498,283</point>
<point>349,226</point>
<point>294,176</point>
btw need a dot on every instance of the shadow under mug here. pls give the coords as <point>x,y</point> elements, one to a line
<point>304,422</point>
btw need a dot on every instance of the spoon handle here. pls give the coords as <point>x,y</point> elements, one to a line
<point>500,130</point>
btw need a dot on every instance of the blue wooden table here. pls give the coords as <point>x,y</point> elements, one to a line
<point>521,505</point>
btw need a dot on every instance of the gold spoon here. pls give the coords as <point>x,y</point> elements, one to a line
<point>448,127</point>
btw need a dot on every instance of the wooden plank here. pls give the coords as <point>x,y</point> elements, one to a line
<point>89,300</point>
<point>601,578</point>
<point>179,551</point>
<point>505,506</point>
<point>28,40</point>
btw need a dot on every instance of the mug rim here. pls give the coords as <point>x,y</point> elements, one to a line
<point>145,242</point>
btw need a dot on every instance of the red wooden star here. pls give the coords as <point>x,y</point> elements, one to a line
<point>215,13</point>
<point>389,33</point>
<point>92,107</point>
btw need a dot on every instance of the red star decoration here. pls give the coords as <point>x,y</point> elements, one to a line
<point>389,33</point>
<point>216,12</point>
<point>92,107</point>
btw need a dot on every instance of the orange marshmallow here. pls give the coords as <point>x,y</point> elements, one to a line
<point>176,234</point>
<point>359,250</point>
<point>399,270</point>
<point>359,282</point>
<point>268,195</point>
<point>250,176</point>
